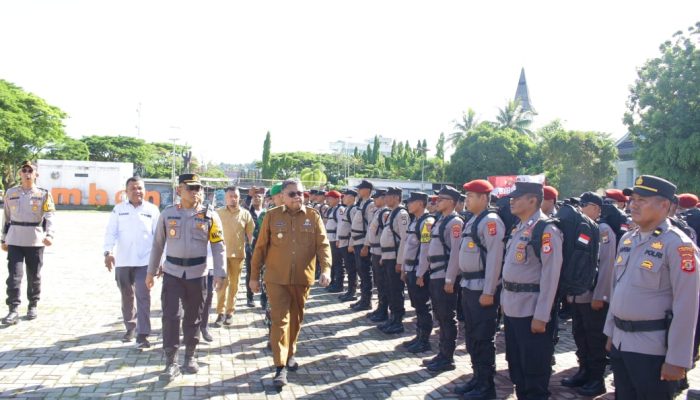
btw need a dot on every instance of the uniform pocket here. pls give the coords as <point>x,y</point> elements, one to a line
<point>307,234</point>
<point>647,275</point>
<point>200,232</point>
<point>174,230</point>
<point>280,234</point>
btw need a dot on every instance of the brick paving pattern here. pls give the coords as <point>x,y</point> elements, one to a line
<point>73,350</point>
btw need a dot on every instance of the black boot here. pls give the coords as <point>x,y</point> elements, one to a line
<point>172,370</point>
<point>364,304</point>
<point>469,386</point>
<point>32,312</point>
<point>592,388</point>
<point>396,325</point>
<point>422,344</point>
<point>411,342</point>
<point>485,388</point>
<point>386,323</point>
<point>348,296</point>
<point>190,366</point>
<point>12,317</point>
<point>442,364</point>
<point>379,315</point>
<point>579,379</point>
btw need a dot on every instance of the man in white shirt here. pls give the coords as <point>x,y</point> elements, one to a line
<point>131,228</point>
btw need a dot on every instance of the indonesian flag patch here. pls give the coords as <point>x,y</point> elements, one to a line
<point>583,238</point>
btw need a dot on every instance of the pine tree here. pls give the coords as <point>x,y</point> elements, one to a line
<point>266,170</point>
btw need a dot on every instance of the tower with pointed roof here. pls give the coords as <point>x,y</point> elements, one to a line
<point>522,94</point>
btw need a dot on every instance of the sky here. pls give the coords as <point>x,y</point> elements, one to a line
<point>218,75</point>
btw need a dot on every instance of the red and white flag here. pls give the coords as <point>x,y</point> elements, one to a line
<point>583,238</point>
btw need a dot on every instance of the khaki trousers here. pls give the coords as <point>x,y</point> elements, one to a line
<point>287,313</point>
<point>226,299</point>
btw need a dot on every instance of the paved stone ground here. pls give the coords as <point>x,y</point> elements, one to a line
<point>73,350</point>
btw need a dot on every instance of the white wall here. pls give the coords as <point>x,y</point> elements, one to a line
<point>627,172</point>
<point>93,180</point>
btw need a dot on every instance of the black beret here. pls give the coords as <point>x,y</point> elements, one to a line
<point>593,198</point>
<point>451,192</point>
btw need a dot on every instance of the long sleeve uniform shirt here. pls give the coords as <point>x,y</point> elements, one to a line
<point>238,226</point>
<point>130,230</point>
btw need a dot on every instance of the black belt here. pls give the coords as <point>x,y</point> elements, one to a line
<point>357,231</point>
<point>388,248</point>
<point>331,231</point>
<point>358,237</point>
<point>438,258</point>
<point>344,237</point>
<point>186,262</point>
<point>374,245</point>
<point>640,326</point>
<point>521,287</point>
<point>411,263</point>
<point>473,275</point>
<point>438,269</point>
<point>25,223</point>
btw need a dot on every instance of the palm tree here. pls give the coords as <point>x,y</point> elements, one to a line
<point>463,128</point>
<point>513,117</point>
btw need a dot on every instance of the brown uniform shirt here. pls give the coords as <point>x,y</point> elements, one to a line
<point>288,246</point>
<point>237,225</point>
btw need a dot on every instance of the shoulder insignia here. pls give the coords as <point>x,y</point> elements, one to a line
<point>687,254</point>
<point>546,243</point>
<point>492,228</point>
<point>404,219</point>
<point>605,237</point>
<point>456,231</point>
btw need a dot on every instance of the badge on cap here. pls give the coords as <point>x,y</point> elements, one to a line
<point>639,181</point>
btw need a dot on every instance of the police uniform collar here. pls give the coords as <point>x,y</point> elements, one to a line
<point>534,218</point>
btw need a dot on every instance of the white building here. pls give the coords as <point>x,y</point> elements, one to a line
<point>626,165</point>
<point>347,147</point>
<point>84,182</point>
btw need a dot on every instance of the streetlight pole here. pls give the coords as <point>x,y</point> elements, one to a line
<point>422,167</point>
<point>172,173</point>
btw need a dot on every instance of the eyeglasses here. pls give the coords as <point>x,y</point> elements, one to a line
<point>27,170</point>
<point>193,188</point>
<point>294,195</point>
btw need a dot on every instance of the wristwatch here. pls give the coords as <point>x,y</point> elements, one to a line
<point>107,253</point>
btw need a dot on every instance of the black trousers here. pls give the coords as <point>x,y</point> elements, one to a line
<point>529,357</point>
<point>349,268</point>
<point>420,301</point>
<point>33,258</point>
<point>480,329</point>
<point>444,308</point>
<point>587,328</point>
<point>396,286</point>
<point>248,257</point>
<point>380,280</point>
<point>637,377</point>
<point>192,293</point>
<point>207,302</point>
<point>364,269</point>
<point>337,273</point>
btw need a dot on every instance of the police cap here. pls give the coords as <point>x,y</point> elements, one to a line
<point>189,179</point>
<point>417,196</point>
<point>450,192</point>
<point>649,185</point>
<point>379,193</point>
<point>365,184</point>
<point>522,188</point>
<point>592,198</point>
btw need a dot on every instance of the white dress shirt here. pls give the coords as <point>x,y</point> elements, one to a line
<point>131,230</point>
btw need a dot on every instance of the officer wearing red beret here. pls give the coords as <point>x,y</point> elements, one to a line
<point>687,201</point>
<point>618,197</point>
<point>549,203</point>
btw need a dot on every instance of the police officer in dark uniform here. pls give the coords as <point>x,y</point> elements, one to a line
<point>479,263</point>
<point>412,252</point>
<point>27,229</point>
<point>187,228</point>
<point>654,305</point>
<point>445,235</point>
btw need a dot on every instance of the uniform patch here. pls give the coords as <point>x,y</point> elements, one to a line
<point>35,208</point>
<point>341,211</point>
<point>471,245</point>
<point>519,256</point>
<point>215,233</point>
<point>173,232</point>
<point>646,264</point>
<point>547,243</point>
<point>657,245</point>
<point>492,228</point>
<point>687,254</point>
<point>583,238</point>
<point>172,222</point>
<point>404,219</point>
<point>307,223</point>
<point>49,205</point>
<point>605,237</point>
<point>619,259</point>
<point>456,231</point>
<point>627,241</point>
<point>425,233</point>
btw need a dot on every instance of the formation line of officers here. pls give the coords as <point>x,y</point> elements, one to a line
<point>451,251</point>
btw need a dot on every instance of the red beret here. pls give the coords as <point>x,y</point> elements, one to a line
<point>478,186</point>
<point>433,198</point>
<point>334,194</point>
<point>307,194</point>
<point>550,193</point>
<point>687,200</point>
<point>616,194</point>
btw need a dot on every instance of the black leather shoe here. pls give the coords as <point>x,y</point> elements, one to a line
<point>579,379</point>
<point>206,335</point>
<point>335,288</point>
<point>361,306</point>
<point>32,312</point>
<point>349,296</point>
<point>229,319</point>
<point>379,316</point>
<point>466,387</point>
<point>483,391</point>
<point>128,336</point>
<point>292,364</point>
<point>592,388</point>
<point>420,346</point>
<point>280,378</point>
<point>410,343</point>
<point>432,360</point>
<point>190,366</point>
<point>12,318</point>
<point>394,328</point>
<point>441,365</point>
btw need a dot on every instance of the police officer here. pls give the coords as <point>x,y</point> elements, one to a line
<point>412,253</point>
<point>588,310</point>
<point>291,238</point>
<point>444,236</point>
<point>27,230</point>
<point>334,212</point>
<point>479,263</point>
<point>343,242</point>
<point>529,289</point>
<point>374,233</point>
<point>360,219</point>
<point>654,298</point>
<point>187,229</point>
<point>549,202</point>
<point>393,234</point>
